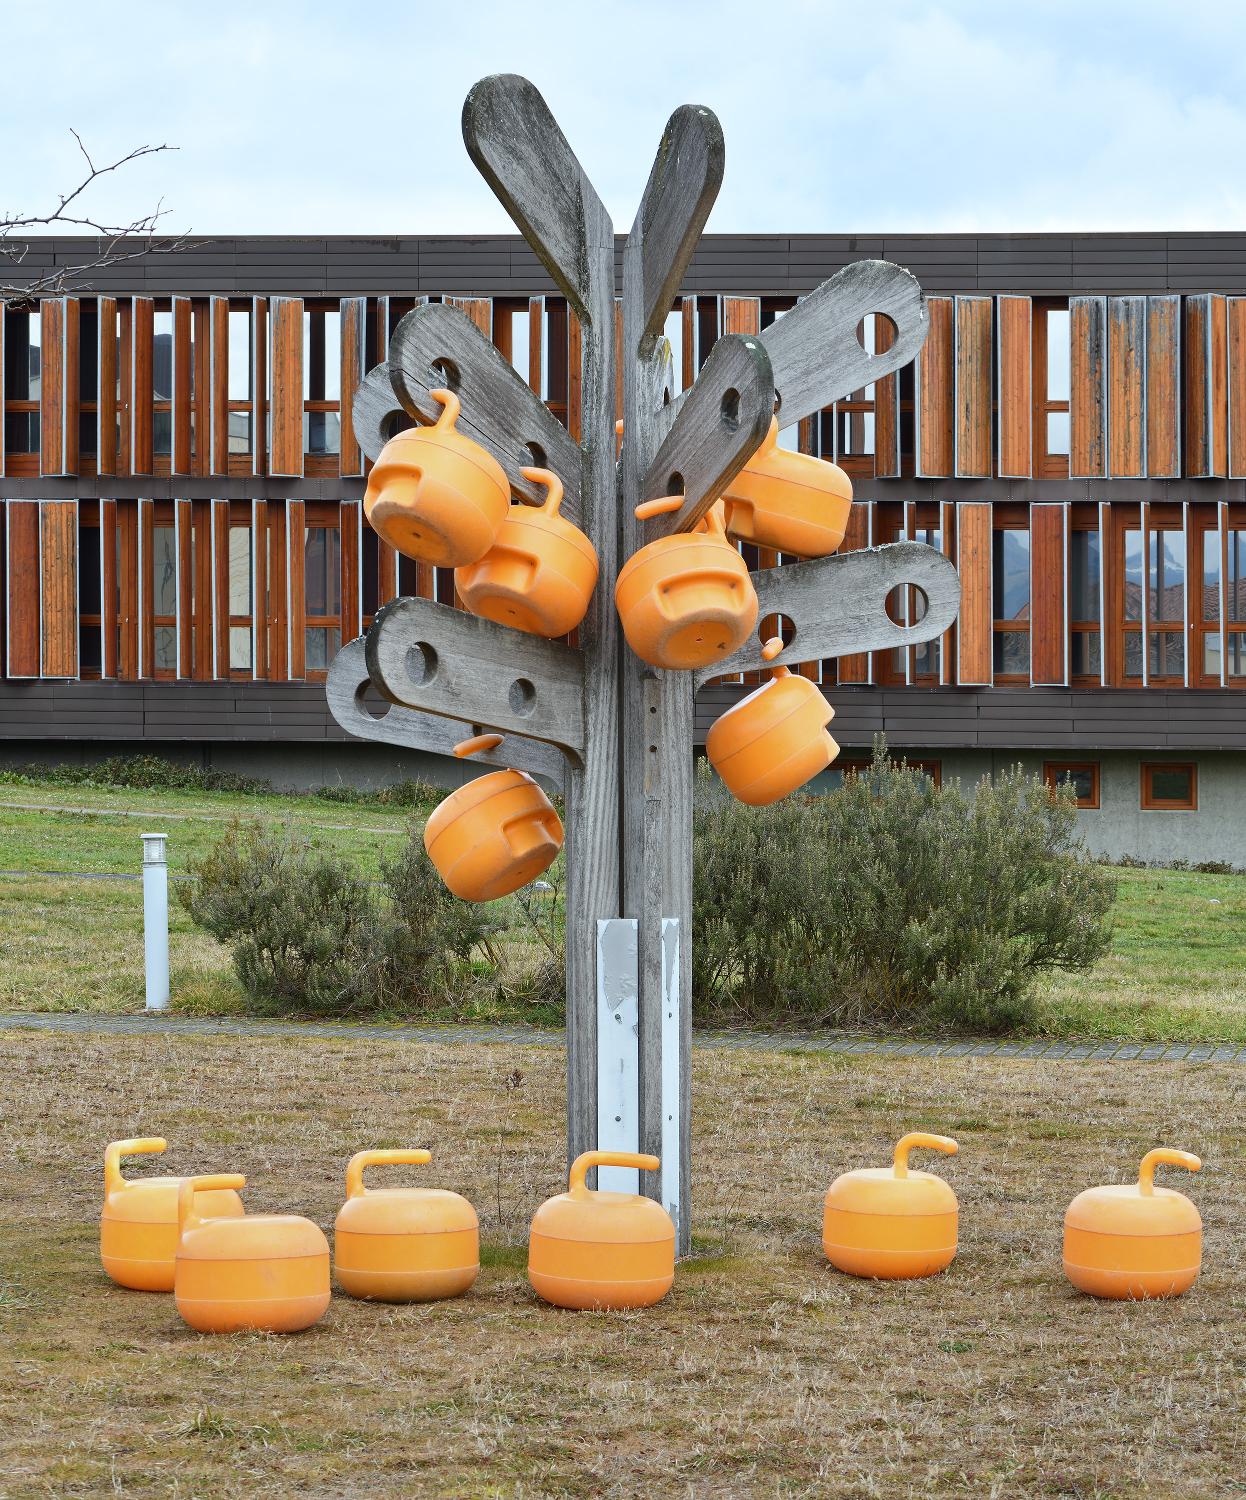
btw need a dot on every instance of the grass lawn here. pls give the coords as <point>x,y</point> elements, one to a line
<point>1177,970</point>
<point>764,1373</point>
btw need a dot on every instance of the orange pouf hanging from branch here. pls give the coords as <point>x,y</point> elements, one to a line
<point>436,495</point>
<point>1135,1240</point>
<point>599,1249</point>
<point>494,834</point>
<point>775,740</point>
<point>540,573</point>
<point>686,600</point>
<point>791,502</point>
<point>403,1244</point>
<point>889,1222</point>
<point>138,1224</point>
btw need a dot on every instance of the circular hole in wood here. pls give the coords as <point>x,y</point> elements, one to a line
<point>675,484</point>
<point>536,456</point>
<point>522,697</point>
<point>884,333</point>
<point>729,409</point>
<point>444,372</point>
<point>390,425</point>
<point>906,604</point>
<point>370,702</point>
<point>421,663</point>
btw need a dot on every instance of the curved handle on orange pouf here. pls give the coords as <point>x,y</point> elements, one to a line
<point>450,408</point>
<point>584,1164</point>
<point>413,1157</point>
<point>553,489</point>
<point>919,1138</point>
<point>191,1185</point>
<point>768,653</point>
<point>662,506</point>
<point>149,1145</point>
<point>1162,1154</point>
<point>477,743</point>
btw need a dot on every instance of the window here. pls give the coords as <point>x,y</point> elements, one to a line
<point>162,385</point>
<point>22,366</point>
<point>1050,377</point>
<point>322,580</point>
<point>322,383</point>
<point>511,333</point>
<point>162,580</point>
<point>90,640</point>
<point>1011,591</point>
<point>848,427</point>
<point>917,664</point>
<point>1170,787</point>
<point>239,387</point>
<point>1085,636</point>
<point>241,582</point>
<point>1152,567</point>
<point>1083,776</point>
<point>1223,579</point>
<point>88,376</point>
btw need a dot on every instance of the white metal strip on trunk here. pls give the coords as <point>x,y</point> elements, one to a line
<point>670,1069</point>
<point>618,1048</point>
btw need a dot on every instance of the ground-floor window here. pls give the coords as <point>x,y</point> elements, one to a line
<point>1168,786</point>
<point>1082,776</point>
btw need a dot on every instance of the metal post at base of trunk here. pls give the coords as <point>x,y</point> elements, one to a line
<point>156,920</point>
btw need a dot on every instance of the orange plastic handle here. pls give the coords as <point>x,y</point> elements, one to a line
<point>450,407</point>
<point>662,506</point>
<point>192,1185</point>
<point>583,1165</point>
<point>476,743</point>
<point>906,1143</point>
<point>553,488</point>
<point>148,1145</point>
<point>355,1167</point>
<point>1146,1172</point>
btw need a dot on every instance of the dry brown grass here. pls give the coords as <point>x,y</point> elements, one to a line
<point>765,1373</point>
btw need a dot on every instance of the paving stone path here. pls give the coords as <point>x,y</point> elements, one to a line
<point>757,1041</point>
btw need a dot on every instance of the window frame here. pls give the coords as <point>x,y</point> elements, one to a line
<point>1148,802</point>
<point>325,515</point>
<point>1012,517</point>
<point>1045,465</point>
<point>1054,770</point>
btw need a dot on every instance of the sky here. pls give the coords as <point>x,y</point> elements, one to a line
<point>896,116</point>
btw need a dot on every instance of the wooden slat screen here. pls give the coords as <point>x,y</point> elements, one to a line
<point>688,351</point>
<point>296,546</point>
<point>259,386</point>
<point>52,414</point>
<point>886,407</point>
<point>146,621</point>
<point>1205,360</point>
<point>183,337</point>
<point>220,588</point>
<point>142,434</point>
<point>1127,325</point>
<point>286,382</point>
<point>1218,387</point>
<point>1236,316</point>
<point>58,587</point>
<point>935,379</point>
<point>201,400</point>
<point>352,603</point>
<point>21,557</point>
<point>183,532</point>
<point>947,528</point>
<point>127,591</point>
<point>218,419</point>
<point>354,312</point>
<point>260,635</point>
<point>1013,387</point>
<point>857,536</point>
<point>972,387</point>
<point>106,387</point>
<point>975,622</point>
<point>1163,387</point>
<point>125,386</point>
<point>1048,625</point>
<point>1087,387</point>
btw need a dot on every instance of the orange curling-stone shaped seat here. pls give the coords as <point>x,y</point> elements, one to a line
<point>437,495</point>
<point>403,1244</point>
<point>540,573</point>
<point>264,1271</point>
<point>494,834</point>
<point>597,1249</point>
<point>890,1223</point>
<point>686,600</point>
<point>138,1223</point>
<point>775,740</point>
<point>791,502</point>
<point>1135,1240</point>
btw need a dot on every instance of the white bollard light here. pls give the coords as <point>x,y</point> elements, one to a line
<point>156,920</point>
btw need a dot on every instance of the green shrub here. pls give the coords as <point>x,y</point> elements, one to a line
<point>308,935</point>
<point>407,793</point>
<point>144,773</point>
<point>892,900</point>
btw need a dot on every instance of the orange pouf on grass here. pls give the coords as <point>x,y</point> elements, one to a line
<point>890,1223</point>
<point>598,1249</point>
<point>403,1244</point>
<point>775,740</point>
<point>436,495</point>
<point>264,1271</point>
<point>1135,1240</point>
<point>494,834</point>
<point>540,573</point>
<point>138,1224</point>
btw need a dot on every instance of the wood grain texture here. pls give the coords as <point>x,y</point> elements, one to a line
<point>1235,315</point>
<point>125,386</point>
<point>259,385</point>
<point>855,667</point>
<point>1127,324</point>
<point>1087,387</point>
<point>975,623</point>
<point>201,396</point>
<point>1163,387</point>
<point>58,587</point>
<point>499,409</point>
<point>21,557</point>
<point>52,386</point>
<point>347,691</point>
<point>973,398</point>
<point>444,661</point>
<point>286,387</point>
<point>352,606</point>
<point>220,588</point>
<point>1048,625</point>
<point>934,382</point>
<point>296,547</point>
<point>142,434</point>
<point>1218,384</point>
<point>886,409</point>
<point>836,605</point>
<point>219,399</point>
<point>353,326</point>
<point>106,388</point>
<point>72,383</point>
<point>183,325</point>
<point>1015,407</point>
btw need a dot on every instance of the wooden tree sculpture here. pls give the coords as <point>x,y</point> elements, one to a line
<point>614,734</point>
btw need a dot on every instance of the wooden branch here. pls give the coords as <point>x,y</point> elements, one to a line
<point>683,184</point>
<point>524,157</point>
<point>373,411</point>
<point>814,348</point>
<point>437,345</point>
<point>838,605</point>
<point>429,656</point>
<point>720,425</point>
<point>408,729</point>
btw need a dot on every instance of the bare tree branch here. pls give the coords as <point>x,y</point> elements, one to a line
<point>115,243</point>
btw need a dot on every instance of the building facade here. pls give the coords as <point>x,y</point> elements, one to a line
<point>184,549</point>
